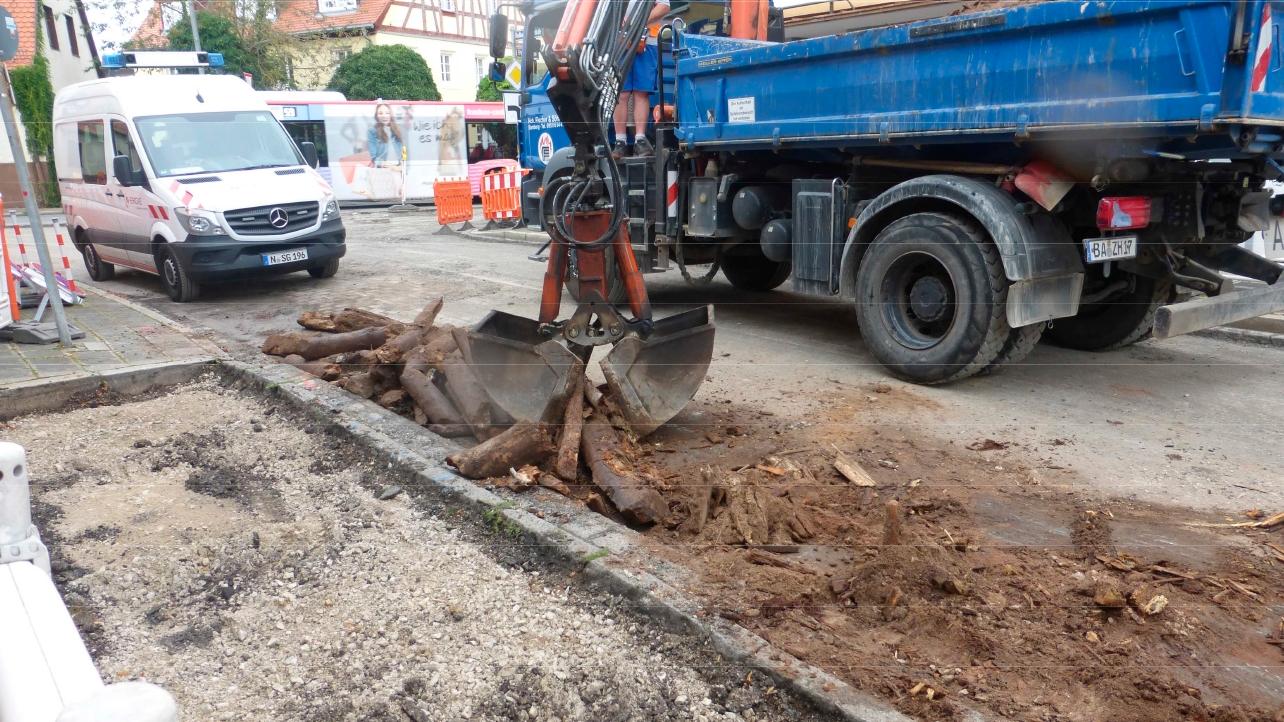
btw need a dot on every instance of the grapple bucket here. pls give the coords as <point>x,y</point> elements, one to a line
<point>526,374</point>
<point>654,378</point>
<point>529,376</point>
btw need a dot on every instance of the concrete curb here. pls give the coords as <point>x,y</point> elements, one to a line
<point>1243,335</point>
<point>580,540</point>
<point>508,235</point>
<point>44,394</point>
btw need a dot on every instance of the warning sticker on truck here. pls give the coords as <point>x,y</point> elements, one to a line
<point>741,110</point>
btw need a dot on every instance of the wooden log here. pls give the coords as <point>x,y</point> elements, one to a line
<point>568,446</point>
<point>521,444</point>
<point>322,369</point>
<point>317,321</point>
<point>467,394</point>
<point>317,345</point>
<point>355,319</point>
<point>704,502</point>
<point>427,317</point>
<point>636,501</point>
<point>428,397</point>
<point>360,384</point>
<point>447,431</point>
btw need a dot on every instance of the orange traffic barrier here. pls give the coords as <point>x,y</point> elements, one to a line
<point>501,193</point>
<point>454,199</point>
<point>5,267</point>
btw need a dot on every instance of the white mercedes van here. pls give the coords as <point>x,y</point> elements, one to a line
<point>189,177</point>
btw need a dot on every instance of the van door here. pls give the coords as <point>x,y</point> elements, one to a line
<point>95,205</point>
<point>136,207</point>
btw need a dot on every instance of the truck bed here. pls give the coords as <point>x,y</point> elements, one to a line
<point>1162,73</point>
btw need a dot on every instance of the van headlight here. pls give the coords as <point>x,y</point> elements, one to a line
<point>198,223</point>
<point>331,210</point>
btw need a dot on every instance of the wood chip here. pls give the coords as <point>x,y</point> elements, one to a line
<point>851,470</point>
<point>1267,523</point>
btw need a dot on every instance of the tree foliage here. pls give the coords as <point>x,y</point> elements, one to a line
<point>394,72</point>
<point>492,92</point>
<point>249,44</point>
<point>33,94</point>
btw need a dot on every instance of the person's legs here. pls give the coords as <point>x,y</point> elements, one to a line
<point>622,117</point>
<point>641,109</point>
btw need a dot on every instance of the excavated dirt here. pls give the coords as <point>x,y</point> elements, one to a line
<point>1009,592</point>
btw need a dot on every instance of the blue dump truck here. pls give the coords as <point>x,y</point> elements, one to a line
<point>1080,172</point>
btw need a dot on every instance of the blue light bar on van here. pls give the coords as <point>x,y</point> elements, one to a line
<point>162,59</point>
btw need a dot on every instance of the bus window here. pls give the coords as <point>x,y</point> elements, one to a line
<point>491,141</point>
<point>310,131</point>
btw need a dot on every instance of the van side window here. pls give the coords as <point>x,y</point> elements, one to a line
<point>122,145</point>
<point>67,152</point>
<point>93,151</point>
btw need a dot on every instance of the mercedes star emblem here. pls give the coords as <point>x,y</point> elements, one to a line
<point>278,218</point>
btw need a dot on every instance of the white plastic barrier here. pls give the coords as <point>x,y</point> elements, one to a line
<point>46,674</point>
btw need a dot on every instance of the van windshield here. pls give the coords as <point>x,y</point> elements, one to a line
<point>215,142</point>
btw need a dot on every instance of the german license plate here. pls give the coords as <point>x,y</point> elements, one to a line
<point>290,256</point>
<point>1099,250</point>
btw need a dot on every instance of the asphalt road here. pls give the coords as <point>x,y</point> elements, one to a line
<point>1192,420</point>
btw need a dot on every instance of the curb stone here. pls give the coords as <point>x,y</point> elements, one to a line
<point>1243,335</point>
<point>419,453</point>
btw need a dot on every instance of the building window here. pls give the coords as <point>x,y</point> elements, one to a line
<point>481,67</point>
<point>339,55</point>
<point>51,28</point>
<point>445,67</point>
<point>72,44</point>
<point>448,6</point>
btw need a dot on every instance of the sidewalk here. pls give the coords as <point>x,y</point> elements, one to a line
<point>118,335</point>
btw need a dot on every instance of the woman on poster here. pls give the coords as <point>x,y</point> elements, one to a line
<point>387,156</point>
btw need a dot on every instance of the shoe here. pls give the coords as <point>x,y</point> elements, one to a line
<point>642,148</point>
<point>619,150</point>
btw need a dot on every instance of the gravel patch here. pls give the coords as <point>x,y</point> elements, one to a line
<point>237,557</point>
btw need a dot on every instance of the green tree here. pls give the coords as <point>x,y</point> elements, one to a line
<point>33,93</point>
<point>395,72</point>
<point>248,44</point>
<point>492,92</point>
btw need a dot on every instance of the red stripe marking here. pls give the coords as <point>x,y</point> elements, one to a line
<point>164,213</point>
<point>1262,63</point>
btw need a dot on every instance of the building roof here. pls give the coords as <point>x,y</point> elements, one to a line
<point>25,15</point>
<point>301,16</point>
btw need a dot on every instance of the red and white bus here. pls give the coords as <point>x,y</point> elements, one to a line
<point>392,151</point>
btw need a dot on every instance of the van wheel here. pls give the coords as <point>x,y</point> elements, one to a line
<point>931,299</point>
<point>178,284</point>
<point>328,270</point>
<point>99,270</point>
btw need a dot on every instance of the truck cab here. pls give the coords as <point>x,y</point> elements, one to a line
<point>190,178</point>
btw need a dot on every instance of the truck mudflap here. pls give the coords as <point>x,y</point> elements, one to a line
<point>1207,312</point>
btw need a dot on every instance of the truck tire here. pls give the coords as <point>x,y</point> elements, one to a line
<point>178,284</point>
<point>616,293</point>
<point>1120,320</point>
<point>99,270</point>
<point>1021,341</point>
<point>931,299</point>
<point>326,270</point>
<point>748,269</point>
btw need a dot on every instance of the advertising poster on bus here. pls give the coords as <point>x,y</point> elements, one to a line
<point>392,151</point>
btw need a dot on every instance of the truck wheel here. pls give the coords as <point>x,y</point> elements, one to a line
<point>931,299</point>
<point>616,293</point>
<point>748,269</point>
<point>327,270</point>
<point>1117,321</point>
<point>178,284</point>
<point>99,270</point>
<point>1021,341</point>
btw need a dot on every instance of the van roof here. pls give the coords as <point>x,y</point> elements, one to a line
<point>143,95</point>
